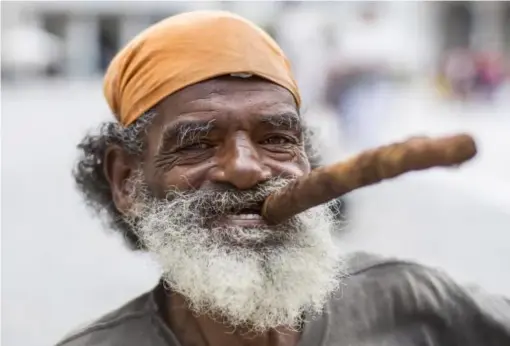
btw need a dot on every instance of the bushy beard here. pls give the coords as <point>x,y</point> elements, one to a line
<point>251,277</point>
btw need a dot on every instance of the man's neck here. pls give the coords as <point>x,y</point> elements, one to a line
<point>193,330</point>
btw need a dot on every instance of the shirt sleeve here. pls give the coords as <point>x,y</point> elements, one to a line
<point>402,302</point>
<point>474,317</point>
<point>491,313</point>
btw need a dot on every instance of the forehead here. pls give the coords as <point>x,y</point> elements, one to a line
<point>232,96</point>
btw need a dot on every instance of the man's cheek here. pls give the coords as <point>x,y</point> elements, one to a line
<point>182,178</point>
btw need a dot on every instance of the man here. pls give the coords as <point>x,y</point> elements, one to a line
<point>207,125</point>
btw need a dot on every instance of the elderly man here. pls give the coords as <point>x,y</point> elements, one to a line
<point>207,126</point>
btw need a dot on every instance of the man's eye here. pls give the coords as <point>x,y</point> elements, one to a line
<point>277,140</point>
<point>196,146</point>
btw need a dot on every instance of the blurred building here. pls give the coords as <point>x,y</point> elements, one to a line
<point>92,31</point>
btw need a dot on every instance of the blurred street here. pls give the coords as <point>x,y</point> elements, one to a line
<point>369,73</point>
<point>61,269</point>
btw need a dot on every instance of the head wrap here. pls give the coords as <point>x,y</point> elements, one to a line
<point>186,49</point>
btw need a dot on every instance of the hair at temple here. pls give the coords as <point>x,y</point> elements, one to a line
<point>92,183</point>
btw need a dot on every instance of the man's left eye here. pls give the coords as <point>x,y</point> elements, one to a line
<point>278,140</point>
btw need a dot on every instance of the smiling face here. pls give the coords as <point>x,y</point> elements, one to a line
<point>214,152</point>
<point>227,131</point>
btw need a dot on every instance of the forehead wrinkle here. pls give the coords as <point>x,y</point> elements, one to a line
<point>211,95</point>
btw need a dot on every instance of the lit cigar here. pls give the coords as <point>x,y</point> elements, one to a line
<point>326,183</point>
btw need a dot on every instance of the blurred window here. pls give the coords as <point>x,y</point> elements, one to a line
<point>458,24</point>
<point>55,24</point>
<point>506,26</point>
<point>109,39</point>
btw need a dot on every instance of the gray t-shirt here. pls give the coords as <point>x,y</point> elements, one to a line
<point>381,302</point>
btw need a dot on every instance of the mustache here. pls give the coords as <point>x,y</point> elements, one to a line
<point>219,198</point>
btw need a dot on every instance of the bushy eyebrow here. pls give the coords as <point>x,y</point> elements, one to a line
<point>191,131</point>
<point>186,131</point>
<point>287,121</point>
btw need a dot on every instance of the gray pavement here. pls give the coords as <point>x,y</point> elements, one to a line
<point>60,268</point>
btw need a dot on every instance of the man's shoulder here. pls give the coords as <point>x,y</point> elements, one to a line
<point>359,264</point>
<point>393,300</point>
<point>377,284</point>
<point>118,327</point>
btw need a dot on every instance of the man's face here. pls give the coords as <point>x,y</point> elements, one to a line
<point>216,150</point>
<point>232,132</point>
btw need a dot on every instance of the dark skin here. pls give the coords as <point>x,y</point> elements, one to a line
<point>225,131</point>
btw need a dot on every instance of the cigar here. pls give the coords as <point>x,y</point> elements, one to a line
<point>329,182</point>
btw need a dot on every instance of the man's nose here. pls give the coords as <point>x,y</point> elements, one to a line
<point>240,165</point>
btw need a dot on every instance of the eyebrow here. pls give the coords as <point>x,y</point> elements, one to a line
<point>191,131</point>
<point>290,121</point>
<point>186,131</point>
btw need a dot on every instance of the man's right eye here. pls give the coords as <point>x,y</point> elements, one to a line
<point>196,146</point>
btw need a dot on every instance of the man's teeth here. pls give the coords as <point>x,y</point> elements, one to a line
<point>246,216</point>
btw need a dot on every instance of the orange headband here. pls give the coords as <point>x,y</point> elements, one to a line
<point>186,49</point>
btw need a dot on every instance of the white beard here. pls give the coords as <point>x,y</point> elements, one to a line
<point>254,286</point>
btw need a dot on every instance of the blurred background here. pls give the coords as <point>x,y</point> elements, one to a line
<point>370,73</point>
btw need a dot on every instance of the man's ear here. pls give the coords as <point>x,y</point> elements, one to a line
<point>118,168</point>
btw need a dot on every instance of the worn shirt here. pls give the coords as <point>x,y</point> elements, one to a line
<point>381,302</point>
